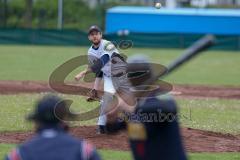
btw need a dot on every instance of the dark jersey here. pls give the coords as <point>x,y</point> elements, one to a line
<point>52,144</point>
<point>153,130</point>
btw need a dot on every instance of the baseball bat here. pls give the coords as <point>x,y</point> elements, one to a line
<point>198,47</point>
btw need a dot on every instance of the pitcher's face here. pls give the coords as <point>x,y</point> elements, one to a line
<point>95,37</point>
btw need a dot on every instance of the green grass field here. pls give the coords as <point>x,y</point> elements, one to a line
<point>209,114</point>
<point>210,68</point>
<point>118,155</point>
<point>121,155</point>
<point>37,63</point>
<point>218,115</point>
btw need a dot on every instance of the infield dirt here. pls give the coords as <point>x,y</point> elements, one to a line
<point>194,140</point>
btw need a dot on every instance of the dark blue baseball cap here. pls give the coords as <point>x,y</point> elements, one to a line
<point>94,28</point>
<point>49,109</point>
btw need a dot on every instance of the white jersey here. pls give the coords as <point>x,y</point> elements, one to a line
<point>105,47</point>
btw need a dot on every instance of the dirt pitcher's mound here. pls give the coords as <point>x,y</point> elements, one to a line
<point>185,91</point>
<point>194,140</point>
<point>198,91</point>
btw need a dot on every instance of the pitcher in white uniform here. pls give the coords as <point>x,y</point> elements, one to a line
<point>100,56</point>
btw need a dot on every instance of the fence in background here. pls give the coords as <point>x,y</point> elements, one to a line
<point>79,38</point>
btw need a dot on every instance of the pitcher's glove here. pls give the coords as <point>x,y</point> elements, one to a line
<point>92,96</point>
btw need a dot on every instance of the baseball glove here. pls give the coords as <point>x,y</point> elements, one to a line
<point>92,96</point>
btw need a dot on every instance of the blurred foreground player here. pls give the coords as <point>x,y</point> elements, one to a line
<point>51,141</point>
<point>152,126</point>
